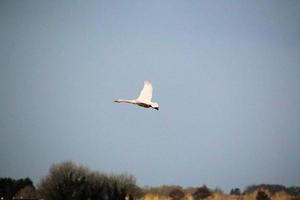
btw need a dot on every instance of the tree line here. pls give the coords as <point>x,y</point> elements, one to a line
<point>66,181</point>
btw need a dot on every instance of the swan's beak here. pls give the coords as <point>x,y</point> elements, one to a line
<point>157,108</point>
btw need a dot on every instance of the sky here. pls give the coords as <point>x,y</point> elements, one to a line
<point>226,75</point>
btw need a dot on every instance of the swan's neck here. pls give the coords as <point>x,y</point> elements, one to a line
<point>124,101</point>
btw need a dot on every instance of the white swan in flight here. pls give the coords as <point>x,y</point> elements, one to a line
<point>144,100</point>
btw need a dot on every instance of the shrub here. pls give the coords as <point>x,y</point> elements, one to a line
<point>176,194</point>
<point>261,195</point>
<point>201,193</point>
<point>235,191</point>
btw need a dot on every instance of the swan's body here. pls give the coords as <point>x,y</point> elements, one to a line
<point>144,100</point>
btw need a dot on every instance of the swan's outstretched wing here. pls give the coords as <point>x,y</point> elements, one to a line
<point>146,93</point>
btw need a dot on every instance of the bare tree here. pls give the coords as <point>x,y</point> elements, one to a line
<point>69,181</point>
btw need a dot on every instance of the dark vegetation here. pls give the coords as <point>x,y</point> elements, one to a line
<point>235,191</point>
<point>261,195</point>
<point>67,181</point>
<point>10,187</point>
<point>202,193</point>
<point>176,194</point>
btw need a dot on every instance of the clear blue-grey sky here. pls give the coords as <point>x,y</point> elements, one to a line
<point>225,73</point>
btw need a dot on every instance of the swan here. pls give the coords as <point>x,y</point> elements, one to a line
<point>144,100</point>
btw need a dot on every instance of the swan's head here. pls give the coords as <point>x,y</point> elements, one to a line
<point>155,105</point>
